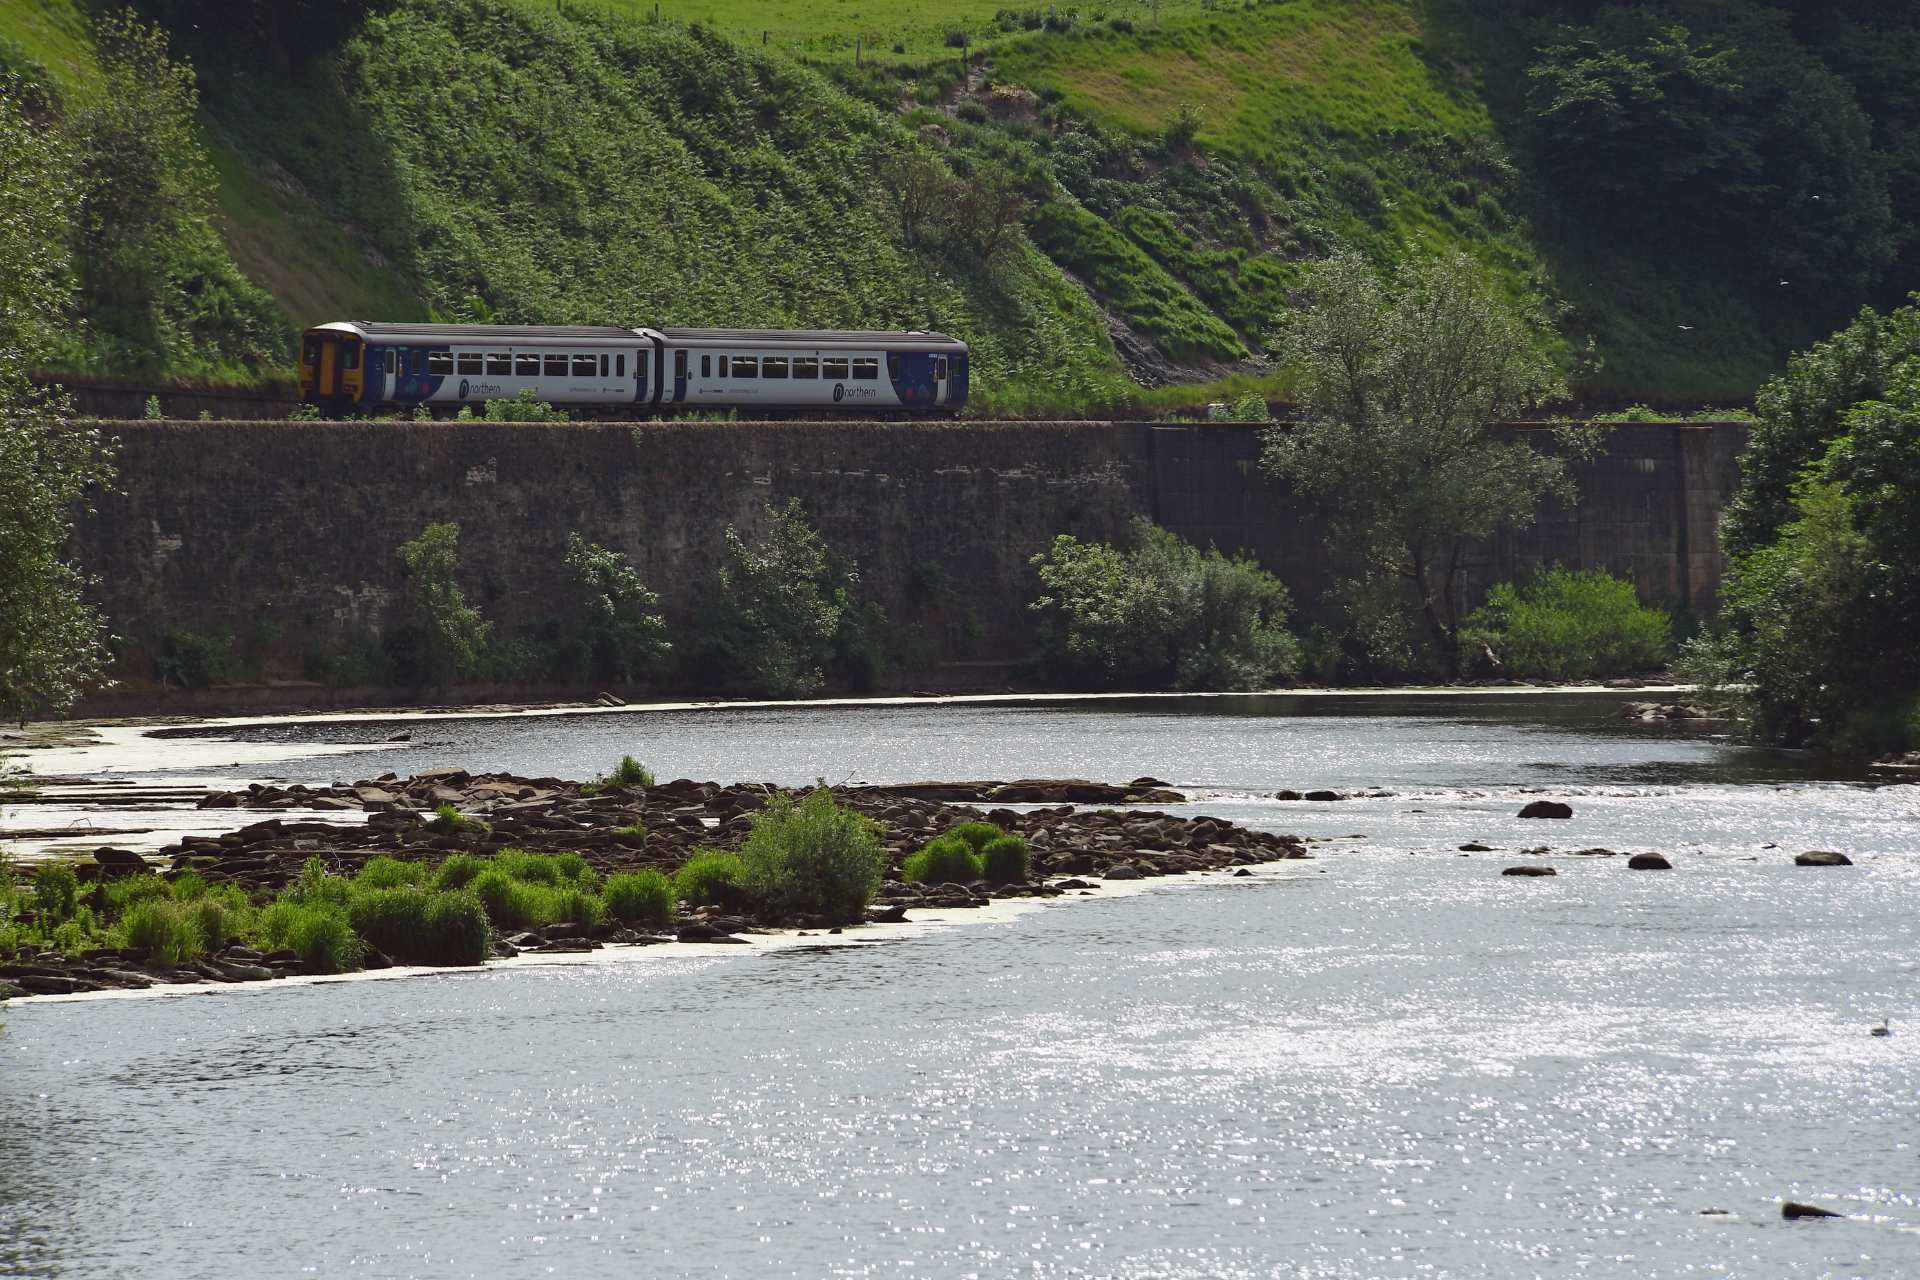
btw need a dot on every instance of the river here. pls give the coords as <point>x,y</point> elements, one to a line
<point>1390,1060</point>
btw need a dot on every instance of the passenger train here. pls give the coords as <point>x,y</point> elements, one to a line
<point>366,367</point>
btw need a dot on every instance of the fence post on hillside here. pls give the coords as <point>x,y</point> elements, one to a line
<point>856,53</point>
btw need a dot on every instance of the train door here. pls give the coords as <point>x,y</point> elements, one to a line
<point>679,375</point>
<point>940,380</point>
<point>326,380</point>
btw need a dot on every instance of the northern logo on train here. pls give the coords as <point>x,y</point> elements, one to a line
<point>839,391</point>
<point>463,388</point>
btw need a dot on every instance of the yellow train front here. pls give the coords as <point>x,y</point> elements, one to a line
<point>361,367</point>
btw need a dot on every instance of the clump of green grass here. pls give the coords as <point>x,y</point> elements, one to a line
<point>976,834</point>
<point>458,871</point>
<point>55,887</point>
<point>316,931</point>
<point>812,858</point>
<point>943,861</point>
<point>629,773</point>
<point>1005,859</point>
<point>168,930</point>
<point>710,878</point>
<point>1568,625</point>
<point>450,821</point>
<point>419,927</point>
<point>573,869</point>
<point>389,873</point>
<point>640,897</point>
<point>509,903</point>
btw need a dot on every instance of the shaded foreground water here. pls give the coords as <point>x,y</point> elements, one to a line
<point>1388,1061</point>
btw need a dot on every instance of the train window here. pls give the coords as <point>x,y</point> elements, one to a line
<point>833,366</point>
<point>499,364</point>
<point>556,366</point>
<point>584,366</point>
<point>893,368</point>
<point>389,360</point>
<point>310,354</point>
<point>866,366</point>
<point>620,365</point>
<point>773,367</point>
<point>706,366</point>
<point>679,364</point>
<point>416,364</point>
<point>439,363</point>
<point>806,367</point>
<point>526,365</point>
<point>350,356</point>
<point>745,367</point>
<point>940,369</point>
<point>469,362</point>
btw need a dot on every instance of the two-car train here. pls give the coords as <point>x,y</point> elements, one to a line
<point>366,367</point>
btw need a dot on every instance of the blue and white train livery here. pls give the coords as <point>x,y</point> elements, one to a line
<point>355,366</point>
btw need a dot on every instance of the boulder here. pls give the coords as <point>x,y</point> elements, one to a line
<point>1794,1209</point>
<point>1285,794</point>
<point>1322,795</point>
<point>1122,871</point>
<point>1242,871</point>
<point>1822,858</point>
<point>1648,862</point>
<point>1529,871</point>
<point>1474,846</point>
<point>1547,809</point>
<point>118,857</point>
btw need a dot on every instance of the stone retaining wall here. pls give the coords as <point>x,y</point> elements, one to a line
<point>232,525</point>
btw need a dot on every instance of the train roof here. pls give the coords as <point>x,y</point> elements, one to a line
<point>804,337</point>
<point>481,333</point>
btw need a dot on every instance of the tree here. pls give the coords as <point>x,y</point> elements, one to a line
<point>1736,129</point>
<point>923,190</point>
<point>1822,615</point>
<point>447,636</point>
<point>625,637</point>
<point>155,283</point>
<point>50,637</point>
<point>986,209</point>
<point>1402,386</point>
<point>766,624</point>
<point>1163,615</point>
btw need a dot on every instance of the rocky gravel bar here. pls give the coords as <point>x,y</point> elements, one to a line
<point>1071,833</point>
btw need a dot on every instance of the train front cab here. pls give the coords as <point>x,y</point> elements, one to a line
<point>331,375</point>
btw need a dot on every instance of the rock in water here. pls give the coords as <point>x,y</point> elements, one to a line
<point>1794,1209</point>
<point>1323,795</point>
<point>1648,862</point>
<point>1822,858</point>
<point>1529,871</point>
<point>1547,809</point>
<point>1122,871</point>
<point>1474,846</point>
<point>1286,794</point>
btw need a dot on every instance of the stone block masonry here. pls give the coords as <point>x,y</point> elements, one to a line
<point>284,533</point>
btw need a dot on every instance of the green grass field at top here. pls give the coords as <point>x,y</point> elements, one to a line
<point>1353,65</point>
<point>52,33</point>
<point>829,29</point>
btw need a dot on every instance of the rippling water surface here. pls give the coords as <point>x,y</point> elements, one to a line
<point>1388,1061</point>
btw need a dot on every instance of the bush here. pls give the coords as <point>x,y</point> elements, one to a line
<point>194,661</point>
<point>389,873</point>
<point>630,773</point>
<point>1122,25</point>
<point>450,821</point>
<point>318,886</point>
<point>573,869</point>
<point>220,914</point>
<point>710,878</point>
<point>457,872</point>
<point>55,887</point>
<point>636,897</point>
<point>1164,615</point>
<point>944,861</point>
<point>1005,860</point>
<point>168,930</point>
<point>529,868</point>
<point>813,858</point>
<point>767,621</point>
<point>417,927</point>
<point>623,636</point>
<point>524,408</point>
<point>317,931</point>
<point>1570,625</point>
